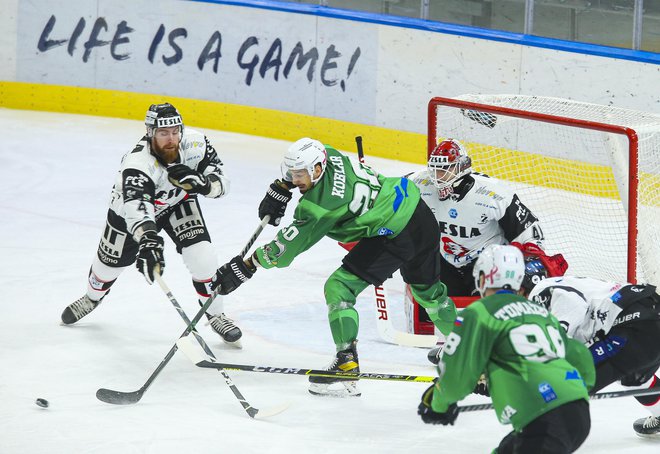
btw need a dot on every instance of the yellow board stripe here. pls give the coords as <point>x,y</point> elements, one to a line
<point>381,142</point>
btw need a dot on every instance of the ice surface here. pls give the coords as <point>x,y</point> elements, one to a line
<point>56,175</point>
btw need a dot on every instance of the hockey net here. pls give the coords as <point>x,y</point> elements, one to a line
<point>591,174</point>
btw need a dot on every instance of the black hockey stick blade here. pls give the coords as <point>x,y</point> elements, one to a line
<point>118,397</point>
<point>483,118</point>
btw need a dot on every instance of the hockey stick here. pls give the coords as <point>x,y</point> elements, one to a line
<point>201,359</point>
<point>597,396</point>
<point>386,329</point>
<point>483,118</point>
<point>392,335</point>
<point>249,409</point>
<point>131,397</point>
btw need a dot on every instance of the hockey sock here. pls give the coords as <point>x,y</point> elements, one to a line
<point>341,290</point>
<point>652,403</point>
<point>433,298</point>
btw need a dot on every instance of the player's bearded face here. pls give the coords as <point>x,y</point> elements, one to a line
<point>302,180</point>
<point>166,143</point>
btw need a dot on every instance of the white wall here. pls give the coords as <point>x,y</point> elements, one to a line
<point>397,71</point>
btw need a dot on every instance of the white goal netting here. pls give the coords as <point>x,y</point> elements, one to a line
<point>571,166</point>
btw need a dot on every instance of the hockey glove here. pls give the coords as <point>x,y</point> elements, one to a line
<point>555,265</point>
<point>188,179</point>
<point>275,201</point>
<point>431,417</point>
<point>482,387</point>
<point>231,275</point>
<point>150,256</point>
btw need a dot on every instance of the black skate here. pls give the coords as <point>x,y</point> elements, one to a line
<point>78,309</point>
<point>647,427</point>
<point>345,361</point>
<point>226,328</point>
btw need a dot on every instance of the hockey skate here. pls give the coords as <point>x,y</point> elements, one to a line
<point>647,427</point>
<point>226,328</point>
<point>78,309</point>
<point>345,361</point>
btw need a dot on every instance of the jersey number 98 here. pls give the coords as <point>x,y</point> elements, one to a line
<point>537,344</point>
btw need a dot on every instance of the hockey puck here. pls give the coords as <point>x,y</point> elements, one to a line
<point>43,403</point>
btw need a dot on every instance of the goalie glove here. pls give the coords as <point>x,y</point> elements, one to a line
<point>275,201</point>
<point>429,416</point>
<point>555,265</point>
<point>190,180</point>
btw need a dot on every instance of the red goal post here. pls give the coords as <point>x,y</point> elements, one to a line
<point>591,173</point>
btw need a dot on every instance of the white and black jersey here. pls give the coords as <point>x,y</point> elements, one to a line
<point>584,306</point>
<point>142,190</point>
<point>481,211</point>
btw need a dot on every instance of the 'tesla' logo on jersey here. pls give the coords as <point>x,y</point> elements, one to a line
<point>453,213</point>
<point>459,231</point>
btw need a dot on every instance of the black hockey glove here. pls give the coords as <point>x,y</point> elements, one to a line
<point>482,387</point>
<point>188,179</point>
<point>431,417</point>
<point>275,201</point>
<point>150,256</point>
<point>231,275</point>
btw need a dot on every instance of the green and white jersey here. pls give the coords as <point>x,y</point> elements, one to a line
<point>348,203</point>
<point>531,365</point>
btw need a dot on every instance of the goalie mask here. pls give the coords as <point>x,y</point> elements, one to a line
<point>535,272</point>
<point>162,116</point>
<point>447,164</point>
<point>304,154</point>
<point>502,267</point>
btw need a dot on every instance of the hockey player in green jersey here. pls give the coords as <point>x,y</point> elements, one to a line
<point>537,377</point>
<point>347,201</point>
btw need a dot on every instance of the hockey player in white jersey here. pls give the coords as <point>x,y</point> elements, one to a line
<point>474,211</point>
<point>619,322</point>
<point>156,189</point>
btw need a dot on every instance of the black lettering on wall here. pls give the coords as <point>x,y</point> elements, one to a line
<point>93,40</point>
<point>178,53</point>
<point>80,26</point>
<point>328,64</point>
<point>207,54</point>
<point>122,28</point>
<point>44,43</point>
<point>273,59</point>
<point>158,37</point>
<point>301,58</point>
<point>251,41</point>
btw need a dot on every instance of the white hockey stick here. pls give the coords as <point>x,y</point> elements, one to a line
<point>389,333</point>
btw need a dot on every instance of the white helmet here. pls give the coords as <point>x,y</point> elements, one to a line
<point>503,266</point>
<point>449,156</point>
<point>304,154</point>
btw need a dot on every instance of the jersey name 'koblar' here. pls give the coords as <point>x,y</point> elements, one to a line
<point>481,211</point>
<point>584,306</point>
<point>350,202</point>
<point>142,190</point>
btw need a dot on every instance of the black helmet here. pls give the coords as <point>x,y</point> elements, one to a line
<point>535,272</point>
<point>162,116</point>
